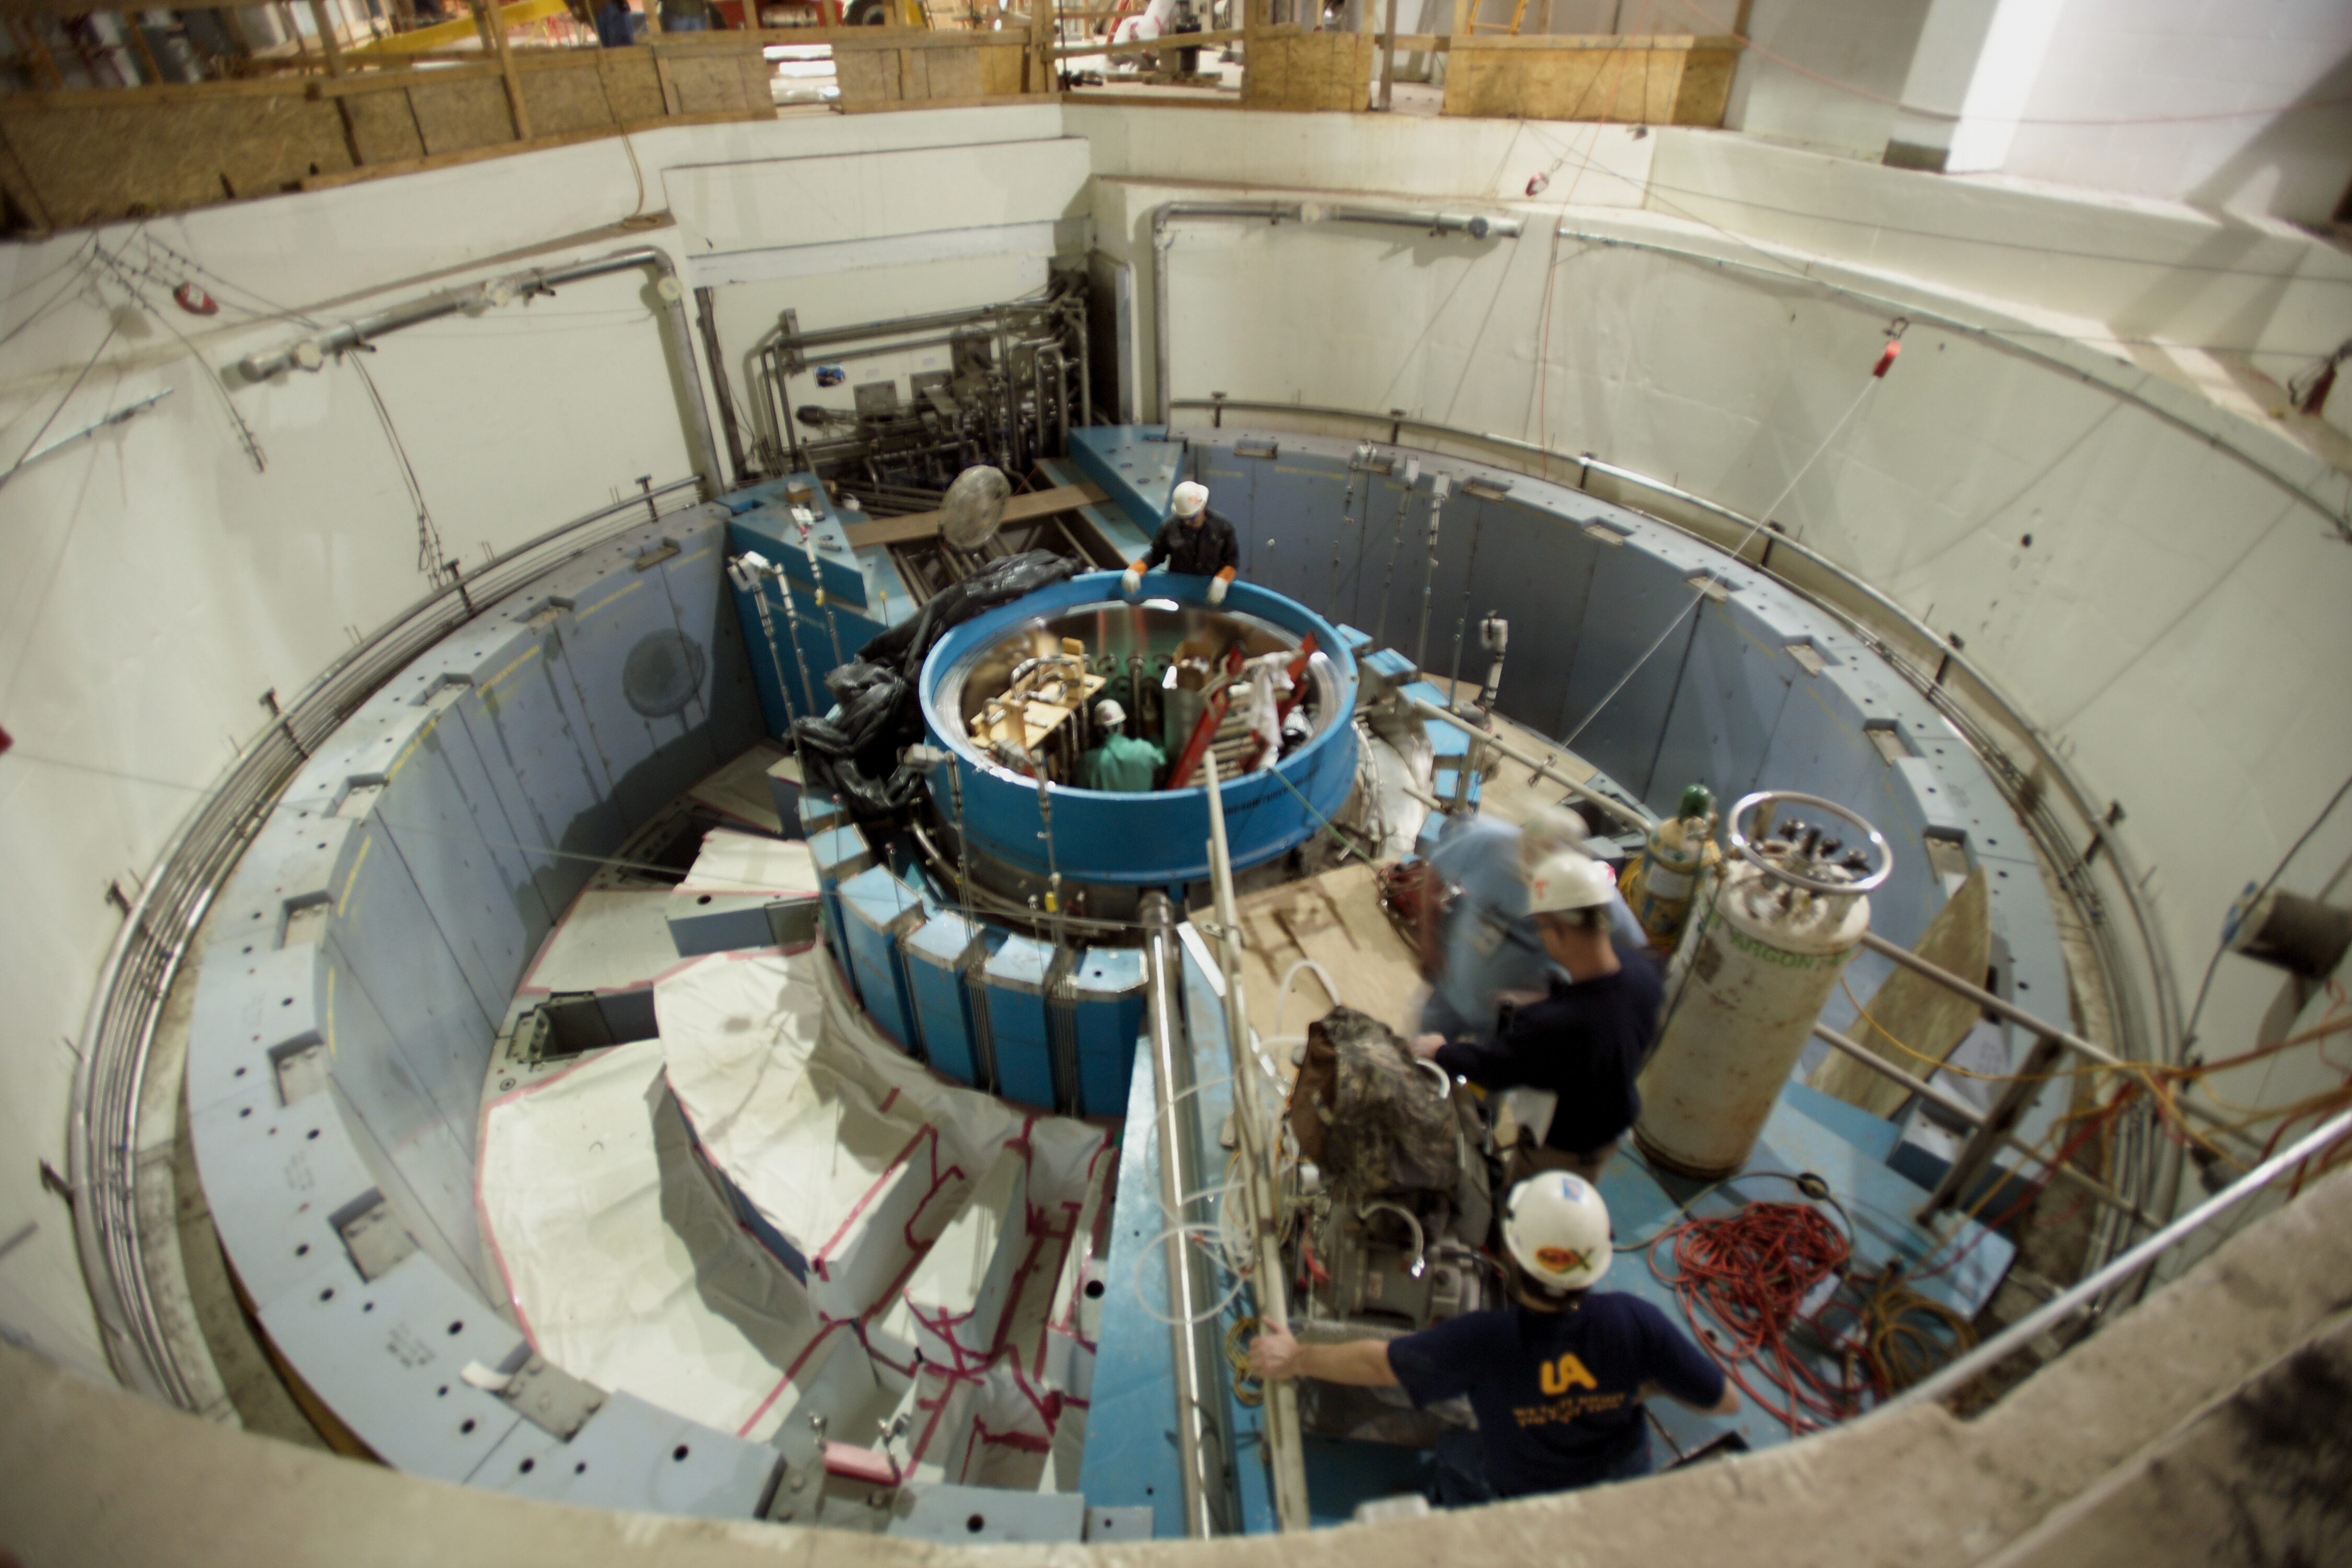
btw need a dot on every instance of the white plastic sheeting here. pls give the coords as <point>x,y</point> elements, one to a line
<point>623,1261</point>
<point>627,1266</point>
<point>732,862</point>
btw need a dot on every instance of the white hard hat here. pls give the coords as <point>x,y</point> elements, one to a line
<point>1190,498</point>
<point>1568,881</point>
<point>1109,714</point>
<point>1557,1228</point>
<point>1552,831</point>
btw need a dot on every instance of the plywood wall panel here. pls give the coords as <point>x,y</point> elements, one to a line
<point>88,165</point>
<point>462,116</point>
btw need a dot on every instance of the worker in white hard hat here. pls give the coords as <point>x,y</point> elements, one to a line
<point>1123,763</point>
<point>1557,1380</point>
<point>1585,1039</point>
<point>1478,943</point>
<point>1196,542</point>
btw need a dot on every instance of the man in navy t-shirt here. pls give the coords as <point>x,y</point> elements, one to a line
<point>1557,1381</point>
<point>1586,1040</point>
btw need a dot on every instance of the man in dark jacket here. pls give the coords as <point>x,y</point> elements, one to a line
<point>1195,543</point>
<point>1587,1039</point>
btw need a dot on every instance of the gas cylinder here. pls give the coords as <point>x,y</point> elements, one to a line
<point>1679,851</point>
<point>1773,934</point>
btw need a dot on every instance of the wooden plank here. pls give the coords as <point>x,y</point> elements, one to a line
<point>982,102</point>
<point>1335,920</point>
<point>463,115</point>
<point>1142,46</point>
<point>139,160</point>
<point>1019,509</point>
<point>1705,92</point>
<point>326,182</point>
<point>1923,1015</point>
<point>361,83</point>
<point>494,24</point>
<point>384,128</point>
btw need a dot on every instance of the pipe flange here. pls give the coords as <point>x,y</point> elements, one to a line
<point>1746,848</point>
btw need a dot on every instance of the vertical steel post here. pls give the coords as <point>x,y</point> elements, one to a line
<point>1199,1446</point>
<point>1285,1445</point>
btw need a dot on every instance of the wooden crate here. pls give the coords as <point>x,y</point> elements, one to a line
<point>1632,81</point>
<point>1292,69</point>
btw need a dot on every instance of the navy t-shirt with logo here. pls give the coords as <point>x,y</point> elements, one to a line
<point>1554,1393</point>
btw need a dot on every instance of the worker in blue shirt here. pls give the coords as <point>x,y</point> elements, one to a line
<point>1123,763</point>
<point>1485,945</point>
<point>1557,1380</point>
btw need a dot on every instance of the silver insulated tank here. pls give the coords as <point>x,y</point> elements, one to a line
<point>1765,946</point>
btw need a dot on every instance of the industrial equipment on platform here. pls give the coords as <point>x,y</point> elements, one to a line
<point>1005,385</point>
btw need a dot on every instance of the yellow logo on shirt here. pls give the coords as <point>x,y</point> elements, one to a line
<point>1558,1376</point>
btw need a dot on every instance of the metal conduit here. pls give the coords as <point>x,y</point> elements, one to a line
<point>474,299</point>
<point>1953,1105</point>
<point>1200,1446</point>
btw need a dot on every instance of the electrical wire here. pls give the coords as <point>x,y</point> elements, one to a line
<point>1699,596</point>
<point>431,558</point>
<point>1750,1273</point>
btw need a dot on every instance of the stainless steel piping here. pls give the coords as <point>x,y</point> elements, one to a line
<point>1471,225</point>
<point>312,353</point>
<point>2084,1292</point>
<point>1200,1451</point>
<point>706,316</point>
<point>1285,1451</point>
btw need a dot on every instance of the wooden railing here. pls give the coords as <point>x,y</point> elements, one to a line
<point>117,118</point>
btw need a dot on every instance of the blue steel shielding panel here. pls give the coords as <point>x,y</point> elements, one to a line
<point>1725,708</point>
<point>1131,1449</point>
<point>839,852</point>
<point>934,957</point>
<point>1158,837</point>
<point>635,1455</point>
<point>1018,1025</point>
<point>877,909</point>
<point>1134,464</point>
<point>1107,983</point>
<point>361,956</point>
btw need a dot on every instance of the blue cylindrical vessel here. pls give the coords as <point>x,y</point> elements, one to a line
<point>1158,838</point>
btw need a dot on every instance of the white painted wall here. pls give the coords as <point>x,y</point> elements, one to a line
<point>1821,73</point>
<point>157,584</point>
<point>2145,62</point>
